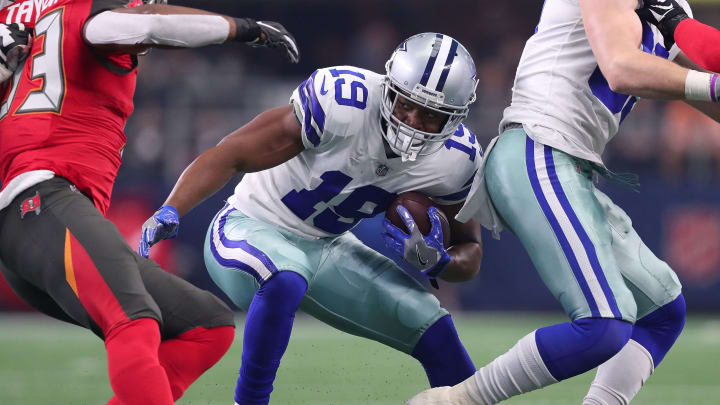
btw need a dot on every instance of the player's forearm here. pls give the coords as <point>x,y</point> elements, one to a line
<point>271,138</point>
<point>116,31</point>
<point>238,27</point>
<point>646,76</point>
<point>643,75</point>
<point>465,262</point>
<point>165,26</point>
<point>204,177</point>
<point>614,32</point>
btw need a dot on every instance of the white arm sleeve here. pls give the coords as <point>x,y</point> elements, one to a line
<point>179,30</point>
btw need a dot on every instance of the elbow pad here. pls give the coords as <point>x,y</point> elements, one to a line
<point>175,30</point>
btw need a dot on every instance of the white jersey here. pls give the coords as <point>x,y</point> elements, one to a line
<point>559,95</point>
<point>343,175</point>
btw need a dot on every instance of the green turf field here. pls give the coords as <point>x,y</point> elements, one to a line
<point>46,362</point>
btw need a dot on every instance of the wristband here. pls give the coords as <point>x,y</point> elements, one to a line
<point>246,29</point>
<point>670,23</point>
<point>702,86</point>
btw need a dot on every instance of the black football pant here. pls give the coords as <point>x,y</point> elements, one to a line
<point>64,258</point>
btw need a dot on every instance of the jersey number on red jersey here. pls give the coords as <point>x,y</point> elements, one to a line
<point>47,66</point>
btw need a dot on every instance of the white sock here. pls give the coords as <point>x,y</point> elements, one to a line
<point>619,379</point>
<point>519,370</point>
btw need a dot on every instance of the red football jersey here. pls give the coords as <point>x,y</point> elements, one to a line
<point>66,107</point>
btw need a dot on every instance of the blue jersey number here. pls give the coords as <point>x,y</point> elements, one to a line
<point>470,150</point>
<point>623,103</point>
<point>315,206</point>
<point>358,91</point>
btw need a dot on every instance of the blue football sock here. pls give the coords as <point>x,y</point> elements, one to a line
<point>657,331</point>
<point>267,332</point>
<point>442,355</point>
<point>572,348</point>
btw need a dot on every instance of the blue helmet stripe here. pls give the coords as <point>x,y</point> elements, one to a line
<point>448,63</point>
<point>431,61</point>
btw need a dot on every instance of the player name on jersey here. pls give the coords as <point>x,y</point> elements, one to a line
<point>26,11</point>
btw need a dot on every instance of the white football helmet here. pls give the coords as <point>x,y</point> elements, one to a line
<point>434,71</point>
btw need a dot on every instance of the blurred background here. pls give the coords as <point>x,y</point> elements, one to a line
<point>186,101</point>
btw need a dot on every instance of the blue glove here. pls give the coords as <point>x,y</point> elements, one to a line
<point>163,224</point>
<point>425,253</point>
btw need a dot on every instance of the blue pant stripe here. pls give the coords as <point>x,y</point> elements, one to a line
<point>239,254</point>
<point>234,264</point>
<point>584,238</point>
<point>562,239</point>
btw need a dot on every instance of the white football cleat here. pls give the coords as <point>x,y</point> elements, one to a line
<point>465,393</point>
<point>433,396</point>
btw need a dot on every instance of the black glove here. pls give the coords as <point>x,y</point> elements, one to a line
<point>267,34</point>
<point>15,44</point>
<point>666,15</point>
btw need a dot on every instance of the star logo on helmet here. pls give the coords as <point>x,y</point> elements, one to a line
<point>402,47</point>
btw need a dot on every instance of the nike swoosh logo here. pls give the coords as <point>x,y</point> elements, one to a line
<point>661,7</point>
<point>658,16</point>
<point>422,260</point>
<point>322,88</point>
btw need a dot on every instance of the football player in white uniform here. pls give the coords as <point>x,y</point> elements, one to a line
<point>347,144</point>
<point>579,76</point>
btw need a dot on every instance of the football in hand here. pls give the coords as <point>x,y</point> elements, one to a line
<point>417,205</point>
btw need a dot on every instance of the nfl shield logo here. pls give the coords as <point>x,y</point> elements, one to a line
<point>381,170</point>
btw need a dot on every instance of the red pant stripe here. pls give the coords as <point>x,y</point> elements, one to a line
<point>90,287</point>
